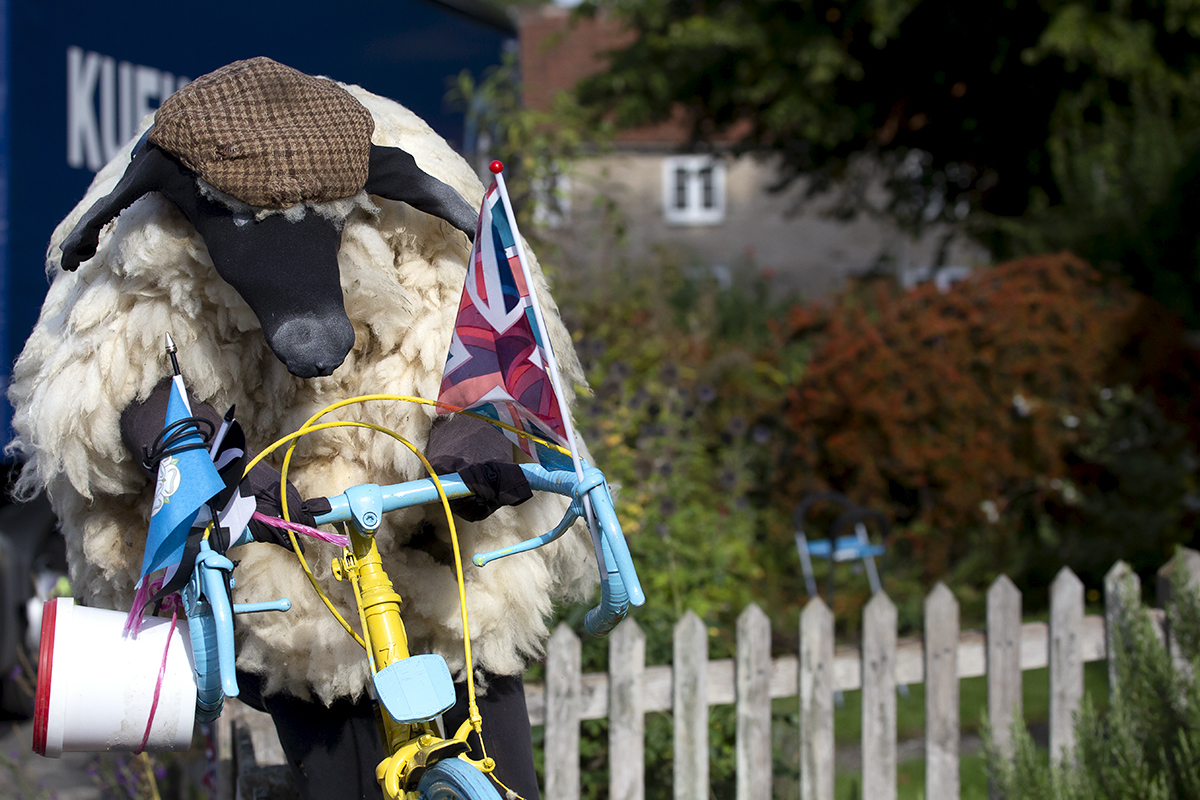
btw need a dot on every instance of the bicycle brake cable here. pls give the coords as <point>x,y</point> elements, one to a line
<point>474,718</point>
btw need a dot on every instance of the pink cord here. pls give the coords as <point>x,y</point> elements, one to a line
<point>162,673</point>
<point>296,527</point>
<point>133,621</point>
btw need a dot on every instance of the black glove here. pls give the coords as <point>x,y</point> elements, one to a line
<point>495,484</point>
<point>142,422</point>
<point>482,457</point>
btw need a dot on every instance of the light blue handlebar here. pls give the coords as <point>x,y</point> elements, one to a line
<point>619,581</point>
<point>210,615</point>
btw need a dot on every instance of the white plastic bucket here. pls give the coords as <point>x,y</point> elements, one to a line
<point>96,685</point>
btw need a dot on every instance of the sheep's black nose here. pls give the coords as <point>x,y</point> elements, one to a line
<point>312,346</point>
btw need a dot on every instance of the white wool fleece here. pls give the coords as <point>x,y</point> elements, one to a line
<point>98,346</point>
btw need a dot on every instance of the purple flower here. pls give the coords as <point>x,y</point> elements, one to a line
<point>736,426</point>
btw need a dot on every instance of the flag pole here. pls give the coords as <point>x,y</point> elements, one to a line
<point>497,169</point>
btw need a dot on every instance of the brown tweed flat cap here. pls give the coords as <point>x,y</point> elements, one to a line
<point>267,134</point>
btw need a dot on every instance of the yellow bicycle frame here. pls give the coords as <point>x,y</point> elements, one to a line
<point>412,747</point>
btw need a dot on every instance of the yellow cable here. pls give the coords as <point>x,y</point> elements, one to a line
<point>507,791</point>
<point>294,438</point>
<point>422,401</point>
<point>148,768</point>
<point>283,494</point>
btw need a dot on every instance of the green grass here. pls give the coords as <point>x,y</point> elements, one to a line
<point>910,724</point>
<point>910,780</point>
<point>972,703</point>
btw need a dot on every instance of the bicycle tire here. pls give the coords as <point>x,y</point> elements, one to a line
<point>455,779</point>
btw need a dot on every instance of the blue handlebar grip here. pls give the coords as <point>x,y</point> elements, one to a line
<point>614,599</point>
<point>544,480</point>
<point>614,543</point>
<point>620,586</point>
<point>203,632</point>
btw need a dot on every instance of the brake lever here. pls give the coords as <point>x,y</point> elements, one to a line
<point>542,480</point>
<point>210,614</point>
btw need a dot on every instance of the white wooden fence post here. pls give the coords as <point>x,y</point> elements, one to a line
<point>690,672</point>
<point>563,666</point>
<point>753,705</point>
<point>1066,661</point>
<point>941,695</point>
<point>879,699</point>
<point>626,713</point>
<point>1003,662</point>
<point>1188,560</point>
<point>1122,594</point>
<point>816,701</point>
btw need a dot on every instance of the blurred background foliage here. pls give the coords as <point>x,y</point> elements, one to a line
<point>1043,126</point>
<point>1007,424</point>
<point>1014,423</point>
<point>1017,422</point>
<point>1038,413</point>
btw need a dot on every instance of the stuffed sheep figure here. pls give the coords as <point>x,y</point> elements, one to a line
<point>303,242</point>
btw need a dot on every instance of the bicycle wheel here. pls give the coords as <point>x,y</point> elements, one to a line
<point>455,779</point>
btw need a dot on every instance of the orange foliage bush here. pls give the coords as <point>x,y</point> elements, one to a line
<point>963,409</point>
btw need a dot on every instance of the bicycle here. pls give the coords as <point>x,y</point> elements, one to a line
<point>412,690</point>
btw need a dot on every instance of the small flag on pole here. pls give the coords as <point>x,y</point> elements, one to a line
<point>187,480</point>
<point>500,365</point>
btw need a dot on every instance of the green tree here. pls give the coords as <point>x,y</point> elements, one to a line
<point>1049,124</point>
<point>535,146</point>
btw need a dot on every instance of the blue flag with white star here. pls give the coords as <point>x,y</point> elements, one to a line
<point>187,479</point>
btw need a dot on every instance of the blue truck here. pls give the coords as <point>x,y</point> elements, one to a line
<point>76,78</point>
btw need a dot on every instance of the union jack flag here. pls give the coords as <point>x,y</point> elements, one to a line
<point>498,360</point>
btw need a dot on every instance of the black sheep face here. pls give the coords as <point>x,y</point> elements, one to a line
<point>286,269</point>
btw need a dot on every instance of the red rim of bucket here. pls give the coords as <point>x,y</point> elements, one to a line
<point>41,707</point>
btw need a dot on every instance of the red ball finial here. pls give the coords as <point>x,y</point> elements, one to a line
<point>496,167</point>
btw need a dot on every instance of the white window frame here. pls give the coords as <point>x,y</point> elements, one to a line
<point>683,190</point>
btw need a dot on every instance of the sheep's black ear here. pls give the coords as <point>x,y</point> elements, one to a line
<point>394,175</point>
<point>150,170</point>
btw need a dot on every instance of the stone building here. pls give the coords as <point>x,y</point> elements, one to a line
<point>715,208</point>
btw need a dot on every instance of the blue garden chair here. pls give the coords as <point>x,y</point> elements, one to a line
<point>841,546</point>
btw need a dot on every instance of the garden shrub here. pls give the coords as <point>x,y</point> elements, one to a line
<point>1147,745</point>
<point>680,419</point>
<point>684,420</point>
<point>1009,423</point>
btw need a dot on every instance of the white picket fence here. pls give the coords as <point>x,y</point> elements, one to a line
<point>942,657</point>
